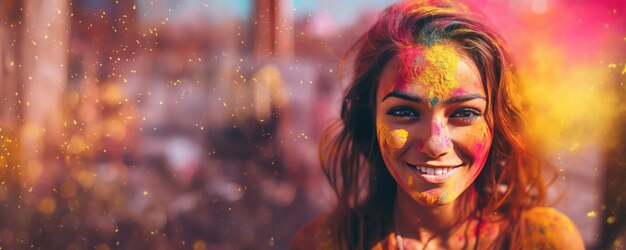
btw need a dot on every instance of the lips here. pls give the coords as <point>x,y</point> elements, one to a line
<point>434,174</point>
<point>434,171</point>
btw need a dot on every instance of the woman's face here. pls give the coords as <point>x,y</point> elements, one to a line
<point>430,122</point>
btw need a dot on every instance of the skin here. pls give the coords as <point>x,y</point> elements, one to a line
<point>546,228</point>
<point>550,229</point>
<point>430,111</point>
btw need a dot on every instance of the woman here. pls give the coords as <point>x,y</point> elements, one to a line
<point>429,152</point>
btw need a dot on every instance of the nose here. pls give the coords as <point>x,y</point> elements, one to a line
<point>438,142</point>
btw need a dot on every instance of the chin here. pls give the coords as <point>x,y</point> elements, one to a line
<point>432,198</point>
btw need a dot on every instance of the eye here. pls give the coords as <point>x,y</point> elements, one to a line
<point>466,115</point>
<point>403,112</point>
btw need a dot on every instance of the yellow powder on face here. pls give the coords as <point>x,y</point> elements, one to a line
<point>439,72</point>
<point>425,197</point>
<point>398,138</point>
<point>410,181</point>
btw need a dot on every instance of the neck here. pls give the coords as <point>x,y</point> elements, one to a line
<point>425,223</point>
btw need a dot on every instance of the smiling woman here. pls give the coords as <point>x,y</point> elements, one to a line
<point>443,145</point>
<point>429,152</point>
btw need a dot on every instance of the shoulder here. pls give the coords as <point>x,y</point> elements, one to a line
<point>547,228</point>
<point>317,234</point>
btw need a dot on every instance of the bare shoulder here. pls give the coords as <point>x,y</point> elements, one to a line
<point>547,228</point>
<point>314,235</point>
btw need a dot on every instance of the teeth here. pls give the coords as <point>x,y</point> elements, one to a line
<point>433,171</point>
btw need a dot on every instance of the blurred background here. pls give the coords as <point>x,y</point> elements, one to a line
<point>194,124</point>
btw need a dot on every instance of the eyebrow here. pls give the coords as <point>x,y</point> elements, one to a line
<point>451,100</point>
<point>403,95</point>
<point>464,98</point>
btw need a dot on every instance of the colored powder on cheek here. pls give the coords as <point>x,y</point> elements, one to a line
<point>410,181</point>
<point>480,156</point>
<point>479,152</point>
<point>420,146</point>
<point>398,138</point>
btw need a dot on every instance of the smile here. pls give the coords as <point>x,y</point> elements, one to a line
<point>434,171</point>
<point>432,174</point>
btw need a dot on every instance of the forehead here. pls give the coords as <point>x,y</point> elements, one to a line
<point>438,71</point>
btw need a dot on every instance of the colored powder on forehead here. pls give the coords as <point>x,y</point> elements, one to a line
<point>481,150</point>
<point>439,73</point>
<point>433,67</point>
<point>434,101</point>
<point>411,64</point>
<point>458,91</point>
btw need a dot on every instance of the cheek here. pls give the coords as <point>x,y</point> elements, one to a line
<point>482,146</point>
<point>398,138</point>
<point>479,151</point>
<point>475,144</point>
<point>390,141</point>
<point>420,145</point>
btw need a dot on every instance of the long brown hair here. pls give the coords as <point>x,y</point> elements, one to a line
<point>511,180</point>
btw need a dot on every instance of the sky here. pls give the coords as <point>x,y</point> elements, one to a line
<point>342,12</point>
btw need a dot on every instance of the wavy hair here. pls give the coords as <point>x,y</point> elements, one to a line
<point>511,180</point>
